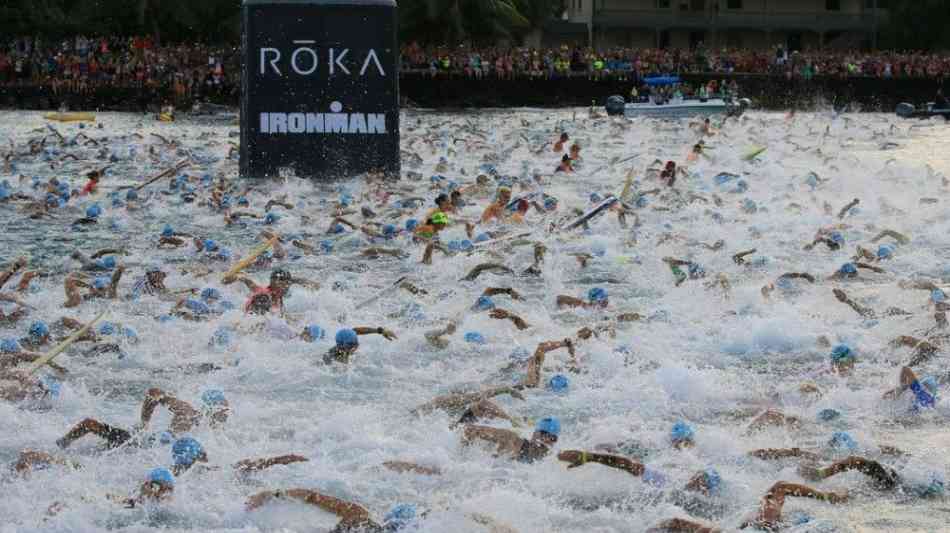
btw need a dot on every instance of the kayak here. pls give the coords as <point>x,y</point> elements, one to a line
<point>71,117</point>
<point>906,110</point>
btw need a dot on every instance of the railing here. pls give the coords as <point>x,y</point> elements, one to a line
<point>764,20</point>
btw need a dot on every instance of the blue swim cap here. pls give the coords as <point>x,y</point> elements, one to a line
<point>389,231</point>
<point>93,211</point>
<point>484,303</point>
<point>39,329</point>
<point>168,231</point>
<point>596,198</point>
<point>411,224</point>
<point>9,346</point>
<point>315,332</point>
<point>482,237</point>
<point>713,479</point>
<point>186,451</point>
<point>221,337</point>
<point>455,246</point>
<point>841,353</point>
<point>827,415</point>
<point>558,383</point>
<point>842,440</point>
<point>326,246</point>
<point>474,337</point>
<point>130,334</point>
<point>741,186</point>
<point>466,245</point>
<point>197,307</point>
<point>210,293</point>
<point>749,206</point>
<point>551,426</point>
<point>933,489</point>
<point>681,432</point>
<point>243,201</point>
<point>162,476</point>
<point>116,202</point>
<point>52,386</point>
<point>107,328</point>
<point>337,228</point>
<point>837,238</point>
<point>345,200</point>
<point>166,437</point>
<point>347,338</point>
<point>109,262</point>
<point>210,245</point>
<point>131,195</point>
<point>400,516</point>
<point>938,296</point>
<point>696,270</point>
<point>597,295</point>
<point>271,218</point>
<point>848,269</point>
<point>885,251</point>
<point>930,383</point>
<point>550,203</point>
<point>213,397</point>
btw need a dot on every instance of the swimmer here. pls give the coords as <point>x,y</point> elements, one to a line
<point>925,391</point>
<point>559,144</point>
<point>457,402</point>
<point>510,444</point>
<point>497,210</point>
<point>566,165</point>
<point>13,355</point>
<point>769,516</point>
<point>704,482</point>
<point>347,342</point>
<point>533,376</point>
<point>773,418</point>
<point>276,290</point>
<point>16,386</point>
<point>597,298</point>
<point>695,271</point>
<point>354,518</point>
<point>681,525</point>
<point>152,283</point>
<point>101,287</point>
<point>30,460</point>
<point>866,312</point>
<point>101,261</point>
<point>884,478</point>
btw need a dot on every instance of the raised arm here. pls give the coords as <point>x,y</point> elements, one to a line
<point>388,335</point>
<point>579,458</point>
<point>350,513</point>
<point>533,377</point>
<point>253,465</point>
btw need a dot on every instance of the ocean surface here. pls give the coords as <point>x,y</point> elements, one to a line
<point>711,357</point>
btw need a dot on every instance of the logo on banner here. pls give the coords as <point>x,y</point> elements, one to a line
<point>305,60</point>
<point>325,123</point>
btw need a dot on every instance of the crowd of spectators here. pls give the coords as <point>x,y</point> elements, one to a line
<point>628,63</point>
<point>82,64</point>
<point>186,71</point>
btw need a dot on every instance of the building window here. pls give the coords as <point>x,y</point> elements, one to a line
<point>662,4</point>
<point>833,5</point>
<point>734,4</point>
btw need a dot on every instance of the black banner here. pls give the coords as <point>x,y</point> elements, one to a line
<point>320,91</point>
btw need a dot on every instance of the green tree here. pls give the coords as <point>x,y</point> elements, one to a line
<point>451,21</point>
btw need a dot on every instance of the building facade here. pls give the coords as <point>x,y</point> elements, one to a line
<point>795,24</point>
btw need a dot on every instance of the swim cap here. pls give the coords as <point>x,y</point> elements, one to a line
<point>39,329</point>
<point>9,346</point>
<point>243,202</point>
<point>52,386</point>
<point>938,296</point>
<point>474,337</point>
<point>107,328</point>
<point>166,437</point>
<point>842,440</point>
<point>131,195</point>
<point>210,293</point>
<point>389,231</point>
<point>221,337</point>
<point>212,397</point>
<point>933,489</point>
<point>400,516</point>
<point>482,237</point>
<point>168,231</point>
<point>550,203</point>
<point>337,228</point>
<point>440,218</point>
<point>101,283</point>
<point>347,338</point>
<point>930,383</point>
<point>713,479</point>
<point>466,245</point>
<point>551,426</point>
<point>681,432</point>
<point>848,269</point>
<point>161,476</point>
<point>837,238</point>
<point>842,353</point>
<point>749,206</point>
<point>108,262</point>
<point>93,211</point>
<point>130,334</point>
<point>597,295</point>
<point>885,251</point>
<point>827,415</point>
<point>326,246</point>
<point>210,245</point>
<point>315,333</point>
<point>558,383</point>
<point>696,270</point>
<point>484,303</point>
<point>596,198</point>
<point>271,218</point>
<point>345,200</point>
<point>411,224</point>
<point>116,202</point>
<point>186,451</point>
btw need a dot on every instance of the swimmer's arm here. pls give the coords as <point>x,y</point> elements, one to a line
<point>899,237</point>
<point>253,465</point>
<point>681,525</point>
<point>403,467</point>
<point>504,438</point>
<point>347,511</point>
<point>17,265</point>
<point>782,453</point>
<point>388,335</point>
<point>569,301</point>
<point>872,268</point>
<point>533,377</point>
<point>492,291</point>
<point>580,458</point>
<point>502,314</point>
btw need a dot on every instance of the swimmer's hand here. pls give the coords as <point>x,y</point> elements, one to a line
<point>388,335</point>
<point>259,499</point>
